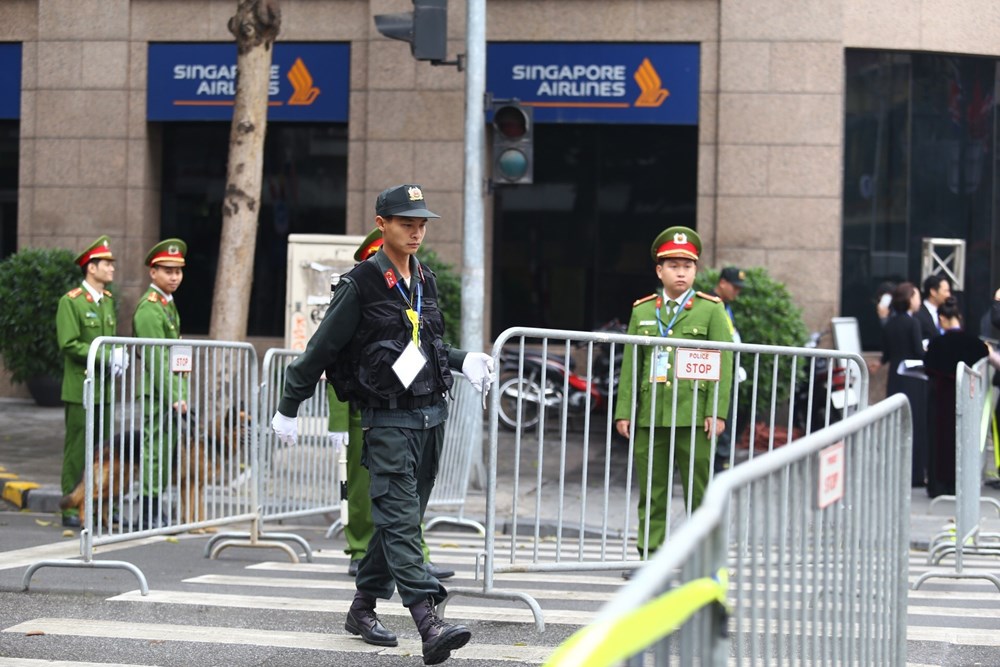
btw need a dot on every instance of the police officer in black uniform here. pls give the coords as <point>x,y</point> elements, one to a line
<point>381,347</point>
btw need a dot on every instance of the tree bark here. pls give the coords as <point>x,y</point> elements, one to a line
<point>255,25</point>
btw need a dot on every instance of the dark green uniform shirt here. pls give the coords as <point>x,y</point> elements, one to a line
<point>156,317</point>
<point>79,320</point>
<point>706,320</point>
<point>332,336</point>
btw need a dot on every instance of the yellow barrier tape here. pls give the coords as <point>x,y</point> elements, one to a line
<point>996,442</point>
<point>609,642</point>
<point>984,425</point>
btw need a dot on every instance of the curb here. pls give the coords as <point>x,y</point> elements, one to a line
<point>29,495</point>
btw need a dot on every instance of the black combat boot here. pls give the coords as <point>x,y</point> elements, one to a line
<point>440,637</point>
<point>361,620</point>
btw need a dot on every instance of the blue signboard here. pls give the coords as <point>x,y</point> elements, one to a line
<point>309,82</point>
<point>10,81</point>
<point>574,82</point>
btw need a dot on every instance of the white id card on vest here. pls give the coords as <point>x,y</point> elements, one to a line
<point>409,364</point>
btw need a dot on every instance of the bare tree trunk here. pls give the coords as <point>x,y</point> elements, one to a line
<point>255,26</point>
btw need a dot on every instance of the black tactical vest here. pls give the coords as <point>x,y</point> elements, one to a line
<point>362,373</point>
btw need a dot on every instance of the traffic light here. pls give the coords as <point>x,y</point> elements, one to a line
<point>425,28</point>
<point>513,136</point>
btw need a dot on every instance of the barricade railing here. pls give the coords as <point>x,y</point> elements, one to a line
<point>973,410</point>
<point>798,557</point>
<point>578,483</point>
<point>170,443</point>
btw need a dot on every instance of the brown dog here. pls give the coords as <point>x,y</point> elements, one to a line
<point>212,456</point>
<point>207,454</point>
<point>116,466</point>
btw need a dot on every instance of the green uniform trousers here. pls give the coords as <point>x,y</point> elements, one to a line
<point>661,485</point>
<point>75,448</point>
<point>402,464</point>
<point>159,436</point>
<point>359,528</point>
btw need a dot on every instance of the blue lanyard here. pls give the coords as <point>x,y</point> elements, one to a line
<point>420,298</point>
<point>680,306</point>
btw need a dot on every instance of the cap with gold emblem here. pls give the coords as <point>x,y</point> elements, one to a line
<point>369,246</point>
<point>403,200</point>
<point>733,275</point>
<point>682,242</point>
<point>168,252</point>
<point>99,249</point>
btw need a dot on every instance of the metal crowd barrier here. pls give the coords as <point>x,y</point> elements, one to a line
<point>206,452</point>
<point>797,557</point>
<point>784,395</point>
<point>973,410</point>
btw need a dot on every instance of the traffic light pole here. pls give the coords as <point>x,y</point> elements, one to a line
<point>473,247</point>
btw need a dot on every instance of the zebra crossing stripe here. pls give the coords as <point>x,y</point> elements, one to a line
<point>35,662</point>
<point>453,611</point>
<point>165,632</point>
<point>348,585</point>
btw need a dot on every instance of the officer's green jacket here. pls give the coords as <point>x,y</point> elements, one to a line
<point>78,322</point>
<point>706,320</point>
<point>156,317</point>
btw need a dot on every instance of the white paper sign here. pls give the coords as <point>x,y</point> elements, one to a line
<point>180,359</point>
<point>703,365</point>
<point>831,475</point>
<point>409,364</point>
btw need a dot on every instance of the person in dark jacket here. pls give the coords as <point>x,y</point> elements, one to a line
<point>381,346</point>
<point>941,360</point>
<point>937,288</point>
<point>901,341</point>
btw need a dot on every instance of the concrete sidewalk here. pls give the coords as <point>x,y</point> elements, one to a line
<point>31,443</point>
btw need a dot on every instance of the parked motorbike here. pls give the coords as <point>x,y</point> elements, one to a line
<point>832,390</point>
<point>550,380</point>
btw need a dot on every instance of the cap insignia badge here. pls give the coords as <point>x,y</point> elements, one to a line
<point>415,194</point>
<point>680,238</point>
<point>173,250</point>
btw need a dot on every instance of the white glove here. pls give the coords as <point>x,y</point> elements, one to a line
<point>286,428</point>
<point>119,361</point>
<point>478,367</point>
<point>338,439</point>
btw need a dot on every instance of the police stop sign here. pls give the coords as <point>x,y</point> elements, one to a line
<point>698,364</point>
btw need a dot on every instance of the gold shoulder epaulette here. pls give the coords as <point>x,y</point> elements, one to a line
<point>75,292</point>
<point>703,295</point>
<point>107,293</point>
<point>152,298</point>
<point>644,299</point>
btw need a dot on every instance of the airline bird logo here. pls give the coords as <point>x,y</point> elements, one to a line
<point>652,93</point>
<point>302,84</point>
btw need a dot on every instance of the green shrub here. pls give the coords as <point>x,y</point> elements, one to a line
<point>31,283</point>
<point>765,315</point>
<point>449,294</point>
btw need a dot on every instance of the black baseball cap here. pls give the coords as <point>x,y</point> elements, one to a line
<point>405,200</point>
<point>733,275</point>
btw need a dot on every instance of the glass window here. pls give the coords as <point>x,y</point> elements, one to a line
<point>571,250</point>
<point>9,147</point>
<point>304,191</point>
<point>920,145</point>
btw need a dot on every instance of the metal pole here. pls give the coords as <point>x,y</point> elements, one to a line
<point>473,253</point>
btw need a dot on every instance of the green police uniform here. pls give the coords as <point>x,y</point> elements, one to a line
<point>699,317</point>
<point>156,316</point>
<point>81,318</point>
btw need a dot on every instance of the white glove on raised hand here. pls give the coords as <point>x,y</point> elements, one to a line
<point>286,428</point>
<point>478,367</point>
<point>338,439</point>
<point>119,361</point>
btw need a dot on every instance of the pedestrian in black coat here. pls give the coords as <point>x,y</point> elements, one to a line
<point>941,361</point>
<point>901,341</point>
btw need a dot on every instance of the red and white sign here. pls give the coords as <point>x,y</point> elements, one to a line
<point>180,359</point>
<point>698,364</point>
<point>831,475</point>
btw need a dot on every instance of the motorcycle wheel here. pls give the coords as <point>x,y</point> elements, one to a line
<point>530,393</point>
